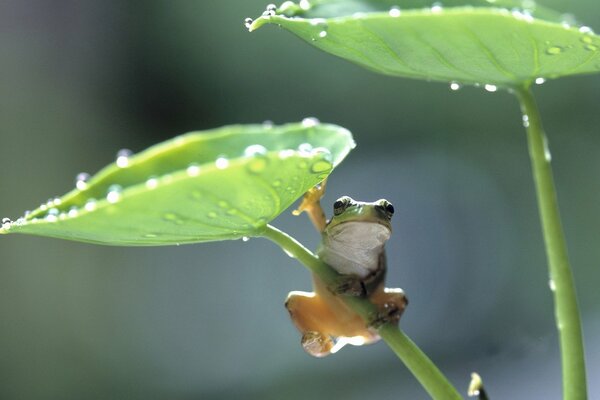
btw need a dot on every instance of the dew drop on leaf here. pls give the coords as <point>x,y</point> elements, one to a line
<point>554,50</point>
<point>152,182</point>
<point>454,86</point>
<point>539,81</point>
<point>114,193</point>
<point>6,223</point>
<point>193,170</point>
<point>490,88</point>
<point>90,205</point>
<point>221,162</point>
<point>395,11</point>
<point>310,122</point>
<point>212,214</point>
<point>123,158</point>
<point>73,212</point>
<point>81,180</point>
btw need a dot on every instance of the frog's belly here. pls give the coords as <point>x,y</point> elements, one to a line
<point>354,247</point>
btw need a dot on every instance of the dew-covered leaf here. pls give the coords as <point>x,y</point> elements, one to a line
<point>498,43</point>
<point>203,186</point>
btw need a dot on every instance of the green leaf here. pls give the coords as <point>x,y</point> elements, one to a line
<point>502,43</point>
<point>203,186</point>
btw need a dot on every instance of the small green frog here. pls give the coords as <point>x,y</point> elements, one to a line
<point>353,244</point>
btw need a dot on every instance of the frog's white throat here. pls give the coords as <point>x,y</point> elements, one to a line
<point>354,247</point>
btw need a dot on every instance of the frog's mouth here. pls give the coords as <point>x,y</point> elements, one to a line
<point>361,234</point>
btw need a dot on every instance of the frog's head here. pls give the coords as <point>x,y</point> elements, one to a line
<point>365,221</point>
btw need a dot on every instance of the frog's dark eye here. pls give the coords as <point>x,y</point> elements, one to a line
<point>386,206</point>
<point>389,208</point>
<point>341,204</point>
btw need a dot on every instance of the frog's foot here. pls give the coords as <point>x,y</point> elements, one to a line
<point>312,206</point>
<point>317,344</point>
<point>349,285</point>
<point>391,303</point>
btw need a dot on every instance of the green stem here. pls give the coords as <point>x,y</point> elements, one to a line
<point>434,382</point>
<point>561,279</point>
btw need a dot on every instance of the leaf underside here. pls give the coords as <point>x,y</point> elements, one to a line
<point>469,42</point>
<point>203,186</point>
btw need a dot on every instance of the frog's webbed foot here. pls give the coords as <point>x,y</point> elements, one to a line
<point>311,316</point>
<point>390,303</point>
<point>317,344</point>
<point>312,206</point>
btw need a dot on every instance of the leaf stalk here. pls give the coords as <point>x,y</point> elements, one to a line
<point>567,316</point>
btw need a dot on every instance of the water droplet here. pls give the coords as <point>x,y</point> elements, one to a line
<point>81,180</point>
<point>53,211</point>
<point>321,166</point>
<point>436,8</point>
<point>221,162</point>
<point>525,121</point>
<point>150,235</point>
<point>276,183</point>
<point>173,217</point>
<point>90,205</point>
<point>73,212</point>
<point>270,10</point>
<point>309,122</point>
<point>395,11</point>
<point>248,23</point>
<point>123,158</point>
<point>305,148</point>
<point>245,238</point>
<point>223,204</point>
<point>490,88</point>
<point>586,29</point>
<point>212,214</point>
<point>586,39</point>
<point>6,223</point>
<point>547,154</point>
<point>552,285</point>
<point>304,4</point>
<point>554,50</point>
<point>114,193</point>
<point>455,86</point>
<point>322,152</point>
<point>539,81</point>
<point>43,207</point>
<point>193,170</point>
<point>590,47</point>
<point>56,201</point>
<point>255,150</point>
<point>51,218</point>
<point>152,182</point>
<point>323,34</point>
<point>268,124</point>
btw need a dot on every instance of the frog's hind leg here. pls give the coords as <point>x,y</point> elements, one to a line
<point>309,314</point>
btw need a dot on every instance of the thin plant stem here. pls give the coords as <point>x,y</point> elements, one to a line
<point>567,316</point>
<point>430,377</point>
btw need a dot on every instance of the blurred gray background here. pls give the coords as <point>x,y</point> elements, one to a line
<point>81,79</point>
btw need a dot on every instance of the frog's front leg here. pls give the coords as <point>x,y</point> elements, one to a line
<point>390,303</point>
<point>311,204</point>
<point>356,286</point>
<point>310,314</point>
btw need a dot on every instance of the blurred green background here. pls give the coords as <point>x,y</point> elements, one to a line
<point>81,79</point>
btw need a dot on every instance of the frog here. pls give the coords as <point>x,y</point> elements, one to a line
<point>353,243</point>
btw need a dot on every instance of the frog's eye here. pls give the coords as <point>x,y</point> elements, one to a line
<point>387,207</point>
<point>341,204</point>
